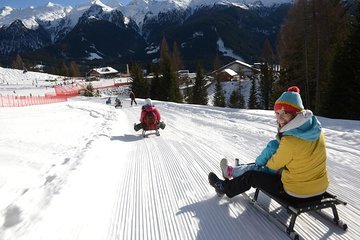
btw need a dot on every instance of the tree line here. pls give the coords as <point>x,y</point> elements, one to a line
<point>318,49</point>
<point>70,69</point>
<point>165,83</point>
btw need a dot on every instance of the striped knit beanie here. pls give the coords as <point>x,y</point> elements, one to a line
<point>290,101</point>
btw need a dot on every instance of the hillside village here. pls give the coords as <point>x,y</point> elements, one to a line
<point>109,81</point>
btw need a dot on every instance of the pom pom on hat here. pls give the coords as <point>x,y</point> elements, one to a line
<point>290,101</point>
<point>294,89</point>
<point>148,102</point>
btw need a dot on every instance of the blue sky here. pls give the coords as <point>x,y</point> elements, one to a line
<point>35,3</point>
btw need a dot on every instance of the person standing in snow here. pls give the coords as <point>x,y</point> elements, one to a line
<point>132,97</point>
<point>147,108</point>
<point>300,156</point>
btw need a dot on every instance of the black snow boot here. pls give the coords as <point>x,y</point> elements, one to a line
<point>137,127</point>
<point>217,183</point>
<point>162,125</point>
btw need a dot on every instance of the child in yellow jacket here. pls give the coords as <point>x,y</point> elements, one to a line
<point>301,155</point>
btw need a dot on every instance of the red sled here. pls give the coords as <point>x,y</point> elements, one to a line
<point>150,123</point>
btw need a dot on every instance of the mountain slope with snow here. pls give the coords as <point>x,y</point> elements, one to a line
<point>117,33</point>
<point>135,9</point>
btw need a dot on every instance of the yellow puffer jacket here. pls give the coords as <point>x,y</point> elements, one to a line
<point>302,153</point>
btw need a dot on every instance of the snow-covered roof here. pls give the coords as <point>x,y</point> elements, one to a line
<point>105,70</point>
<point>244,64</point>
<point>230,72</point>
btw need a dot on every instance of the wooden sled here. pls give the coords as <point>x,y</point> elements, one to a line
<point>151,127</point>
<point>157,133</point>
<point>326,200</point>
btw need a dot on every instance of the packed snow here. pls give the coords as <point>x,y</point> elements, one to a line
<point>78,170</point>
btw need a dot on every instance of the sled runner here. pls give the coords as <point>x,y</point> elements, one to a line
<point>157,133</point>
<point>326,200</point>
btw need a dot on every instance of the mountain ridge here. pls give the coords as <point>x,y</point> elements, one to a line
<point>196,30</point>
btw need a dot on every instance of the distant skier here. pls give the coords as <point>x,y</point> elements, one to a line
<point>132,97</point>
<point>300,156</point>
<point>108,101</point>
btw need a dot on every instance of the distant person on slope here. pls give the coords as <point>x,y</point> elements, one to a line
<point>132,97</point>
<point>146,124</point>
<point>299,157</point>
<point>118,103</point>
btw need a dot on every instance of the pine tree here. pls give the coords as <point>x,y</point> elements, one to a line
<point>139,84</point>
<point>344,97</point>
<point>74,70</point>
<point>219,97</point>
<point>155,92</point>
<point>199,92</point>
<point>176,58</point>
<point>267,53</point>
<point>267,75</point>
<point>234,99</point>
<point>18,62</point>
<point>64,70</point>
<point>307,41</point>
<point>149,67</point>
<point>241,100</point>
<point>252,104</point>
<point>266,82</point>
<point>170,84</point>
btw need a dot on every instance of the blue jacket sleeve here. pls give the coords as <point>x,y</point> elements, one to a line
<point>266,154</point>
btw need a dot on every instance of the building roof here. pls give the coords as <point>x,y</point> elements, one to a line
<point>230,72</point>
<point>105,70</point>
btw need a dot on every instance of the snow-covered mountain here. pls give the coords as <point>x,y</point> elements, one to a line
<point>53,13</point>
<point>82,31</point>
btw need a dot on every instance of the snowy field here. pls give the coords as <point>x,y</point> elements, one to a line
<point>77,170</point>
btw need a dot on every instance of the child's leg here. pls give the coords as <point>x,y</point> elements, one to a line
<point>243,168</point>
<point>138,126</point>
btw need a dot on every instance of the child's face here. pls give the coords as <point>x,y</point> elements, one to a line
<point>283,117</point>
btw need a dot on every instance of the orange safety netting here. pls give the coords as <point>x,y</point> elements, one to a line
<point>21,101</point>
<point>68,90</point>
<point>61,95</point>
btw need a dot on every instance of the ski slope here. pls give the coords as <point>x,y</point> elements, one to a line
<point>77,170</point>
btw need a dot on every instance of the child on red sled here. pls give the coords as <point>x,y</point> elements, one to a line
<point>150,117</point>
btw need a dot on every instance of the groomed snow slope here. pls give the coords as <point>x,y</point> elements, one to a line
<point>77,170</point>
